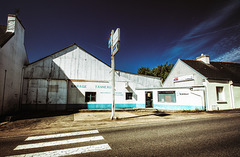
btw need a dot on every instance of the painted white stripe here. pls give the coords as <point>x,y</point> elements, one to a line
<point>69,151</point>
<point>61,135</point>
<point>55,143</point>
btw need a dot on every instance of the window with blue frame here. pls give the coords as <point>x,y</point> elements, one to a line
<point>167,96</point>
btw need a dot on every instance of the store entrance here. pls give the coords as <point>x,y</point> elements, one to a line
<point>149,99</point>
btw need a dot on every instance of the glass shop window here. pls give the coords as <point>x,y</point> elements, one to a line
<point>220,94</point>
<point>90,96</point>
<point>166,96</point>
<point>129,96</point>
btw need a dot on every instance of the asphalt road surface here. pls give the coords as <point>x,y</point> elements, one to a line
<point>201,137</point>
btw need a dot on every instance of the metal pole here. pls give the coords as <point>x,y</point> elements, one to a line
<point>113,88</point>
<point>113,79</point>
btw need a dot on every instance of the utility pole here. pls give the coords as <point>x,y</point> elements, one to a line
<point>113,43</point>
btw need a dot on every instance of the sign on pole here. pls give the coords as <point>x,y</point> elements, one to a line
<point>116,37</point>
<point>109,40</point>
<point>115,49</point>
<point>113,43</point>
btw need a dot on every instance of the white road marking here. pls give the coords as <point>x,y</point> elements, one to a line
<point>62,135</point>
<point>69,151</point>
<point>55,143</point>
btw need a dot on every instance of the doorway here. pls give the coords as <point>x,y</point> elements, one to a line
<point>149,99</point>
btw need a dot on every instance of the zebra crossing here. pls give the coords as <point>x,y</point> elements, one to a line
<point>74,142</point>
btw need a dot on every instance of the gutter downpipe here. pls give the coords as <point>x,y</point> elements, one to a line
<point>206,95</point>
<point>231,94</point>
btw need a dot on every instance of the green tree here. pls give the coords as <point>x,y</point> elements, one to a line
<point>144,71</point>
<point>161,71</point>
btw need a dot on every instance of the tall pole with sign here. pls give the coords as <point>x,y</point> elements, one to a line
<point>113,43</point>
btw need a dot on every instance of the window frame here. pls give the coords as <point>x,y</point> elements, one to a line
<point>172,97</point>
<point>93,95</point>
<point>126,96</point>
<point>220,94</point>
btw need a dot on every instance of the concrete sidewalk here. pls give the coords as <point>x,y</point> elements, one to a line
<point>85,120</point>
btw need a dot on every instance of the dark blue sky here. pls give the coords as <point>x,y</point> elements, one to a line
<point>152,31</point>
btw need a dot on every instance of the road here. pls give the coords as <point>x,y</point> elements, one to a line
<point>199,137</point>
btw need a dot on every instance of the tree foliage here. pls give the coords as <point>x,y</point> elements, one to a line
<point>161,71</point>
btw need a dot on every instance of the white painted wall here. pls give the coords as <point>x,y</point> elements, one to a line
<point>179,70</point>
<point>13,57</point>
<point>186,98</point>
<point>236,92</point>
<point>73,66</point>
<point>212,102</point>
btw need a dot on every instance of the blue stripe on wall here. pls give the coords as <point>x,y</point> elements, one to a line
<point>177,107</point>
<point>109,106</point>
<point>140,106</point>
<point>158,106</point>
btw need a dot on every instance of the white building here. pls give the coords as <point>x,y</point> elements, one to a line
<point>72,78</point>
<point>173,98</point>
<point>196,85</point>
<point>219,81</point>
<point>13,57</point>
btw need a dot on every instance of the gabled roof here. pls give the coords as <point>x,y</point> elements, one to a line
<point>216,70</point>
<point>4,36</point>
<point>74,44</point>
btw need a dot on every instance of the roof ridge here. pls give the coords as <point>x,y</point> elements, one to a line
<point>74,44</point>
<point>218,70</point>
<point>213,61</point>
<point>52,54</point>
<point>226,62</point>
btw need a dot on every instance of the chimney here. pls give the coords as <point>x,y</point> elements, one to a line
<point>204,58</point>
<point>11,23</point>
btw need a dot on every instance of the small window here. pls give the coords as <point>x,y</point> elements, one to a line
<point>166,96</point>
<point>220,94</point>
<point>90,96</point>
<point>129,96</point>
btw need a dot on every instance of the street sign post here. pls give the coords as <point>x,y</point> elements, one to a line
<point>113,43</point>
<point>115,49</point>
<point>116,37</point>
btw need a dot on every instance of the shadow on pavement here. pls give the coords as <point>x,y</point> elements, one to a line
<point>37,114</point>
<point>155,113</point>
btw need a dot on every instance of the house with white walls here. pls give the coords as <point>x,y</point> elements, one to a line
<point>219,81</point>
<point>13,58</point>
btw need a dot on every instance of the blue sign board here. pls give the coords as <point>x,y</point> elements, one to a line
<point>115,49</point>
<point>109,42</point>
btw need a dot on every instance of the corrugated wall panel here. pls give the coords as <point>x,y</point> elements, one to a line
<point>42,91</point>
<point>57,92</point>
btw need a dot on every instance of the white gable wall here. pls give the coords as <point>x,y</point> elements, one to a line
<point>180,70</point>
<point>13,57</point>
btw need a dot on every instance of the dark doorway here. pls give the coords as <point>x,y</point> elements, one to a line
<point>149,99</point>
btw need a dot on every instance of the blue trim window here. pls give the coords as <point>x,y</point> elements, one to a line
<point>90,97</point>
<point>167,96</point>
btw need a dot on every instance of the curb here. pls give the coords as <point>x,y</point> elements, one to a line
<point>119,110</point>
